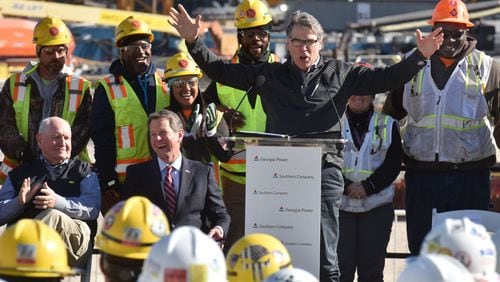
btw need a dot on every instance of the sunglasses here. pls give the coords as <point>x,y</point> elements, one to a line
<point>53,50</point>
<point>138,46</point>
<point>249,34</point>
<point>179,83</point>
<point>453,33</point>
<point>299,42</point>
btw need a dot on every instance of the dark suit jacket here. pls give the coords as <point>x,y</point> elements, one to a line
<point>199,201</point>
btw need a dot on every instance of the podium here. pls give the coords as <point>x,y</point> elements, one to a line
<point>283,190</point>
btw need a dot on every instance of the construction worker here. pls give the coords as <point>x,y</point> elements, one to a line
<point>122,103</point>
<point>253,22</point>
<point>203,124</point>
<point>32,251</point>
<point>41,90</point>
<point>448,141</point>
<point>129,231</point>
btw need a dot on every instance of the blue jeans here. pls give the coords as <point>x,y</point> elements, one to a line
<point>332,187</point>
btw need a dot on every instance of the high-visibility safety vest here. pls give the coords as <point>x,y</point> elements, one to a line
<point>131,120</point>
<point>360,164</point>
<point>75,89</point>
<point>255,120</point>
<point>451,124</point>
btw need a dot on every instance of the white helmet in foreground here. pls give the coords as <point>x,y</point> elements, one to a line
<point>496,240</point>
<point>291,275</point>
<point>185,255</point>
<point>466,241</point>
<point>435,268</point>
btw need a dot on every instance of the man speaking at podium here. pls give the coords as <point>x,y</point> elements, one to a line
<point>306,96</point>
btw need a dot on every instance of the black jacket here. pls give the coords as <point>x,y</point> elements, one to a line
<point>300,103</point>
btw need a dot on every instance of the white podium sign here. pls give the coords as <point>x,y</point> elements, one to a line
<point>283,199</point>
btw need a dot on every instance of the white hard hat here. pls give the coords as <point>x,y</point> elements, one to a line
<point>496,241</point>
<point>466,241</point>
<point>186,254</point>
<point>292,275</point>
<point>435,268</point>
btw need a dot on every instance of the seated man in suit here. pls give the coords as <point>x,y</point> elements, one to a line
<point>185,189</point>
<point>62,192</point>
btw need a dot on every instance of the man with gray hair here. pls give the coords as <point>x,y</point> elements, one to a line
<point>60,191</point>
<point>306,96</point>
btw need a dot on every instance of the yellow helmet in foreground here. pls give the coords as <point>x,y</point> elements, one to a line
<point>131,227</point>
<point>255,257</point>
<point>181,64</point>
<point>132,26</point>
<point>251,13</point>
<point>30,248</point>
<point>51,31</point>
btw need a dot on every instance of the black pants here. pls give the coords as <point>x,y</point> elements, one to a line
<point>363,243</point>
<point>445,191</point>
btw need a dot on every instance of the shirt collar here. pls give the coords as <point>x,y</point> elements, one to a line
<point>176,164</point>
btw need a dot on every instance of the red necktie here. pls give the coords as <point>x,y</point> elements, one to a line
<point>169,189</point>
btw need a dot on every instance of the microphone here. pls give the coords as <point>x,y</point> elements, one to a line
<point>251,93</point>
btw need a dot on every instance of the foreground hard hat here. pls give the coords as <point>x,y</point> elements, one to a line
<point>181,64</point>
<point>132,26</point>
<point>466,241</point>
<point>496,241</point>
<point>185,255</point>
<point>30,248</point>
<point>51,31</point>
<point>131,227</point>
<point>435,268</point>
<point>451,11</point>
<point>251,13</point>
<point>255,257</point>
<point>292,275</point>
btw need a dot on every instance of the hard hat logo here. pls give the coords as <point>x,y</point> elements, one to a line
<point>54,31</point>
<point>251,13</point>
<point>26,254</point>
<point>183,63</point>
<point>453,13</point>
<point>135,24</point>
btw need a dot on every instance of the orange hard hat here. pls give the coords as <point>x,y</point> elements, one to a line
<point>451,11</point>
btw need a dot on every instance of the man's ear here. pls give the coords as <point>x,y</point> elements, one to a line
<point>181,134</point>
<point>38,138</point>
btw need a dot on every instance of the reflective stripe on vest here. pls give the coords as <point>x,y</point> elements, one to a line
<point>255,120</point>
<point>450,123</point>
<point>131,129</point>
<point>360,164</point>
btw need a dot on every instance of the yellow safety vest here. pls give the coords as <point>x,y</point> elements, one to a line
<point>255,120</point>
<point>131,120</point>
<point>76,87</point>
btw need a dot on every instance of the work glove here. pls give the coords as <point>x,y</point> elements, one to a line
<point>211,120</point>
<point>194,121</point>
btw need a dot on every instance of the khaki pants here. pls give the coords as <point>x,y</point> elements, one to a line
<point>75,234</point>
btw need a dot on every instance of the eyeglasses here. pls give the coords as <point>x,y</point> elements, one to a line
<point>455,34</point>
<point>249,34</point>
<point>136,46</point>
<point>179,83</point>
<point>52,50</point>
<point>299,42</point>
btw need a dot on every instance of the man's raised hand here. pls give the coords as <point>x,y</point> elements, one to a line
<point>187,27</point>
<point>429,44</point>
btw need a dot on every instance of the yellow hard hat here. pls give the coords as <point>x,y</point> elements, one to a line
<point>251,13</point>
<point>132,26</point>
<point>255,257</point>
<point>131,227</point>
<point>181,64</point>
<point>451,11</point>
<point>51,31</point>
<point>30,248</point>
